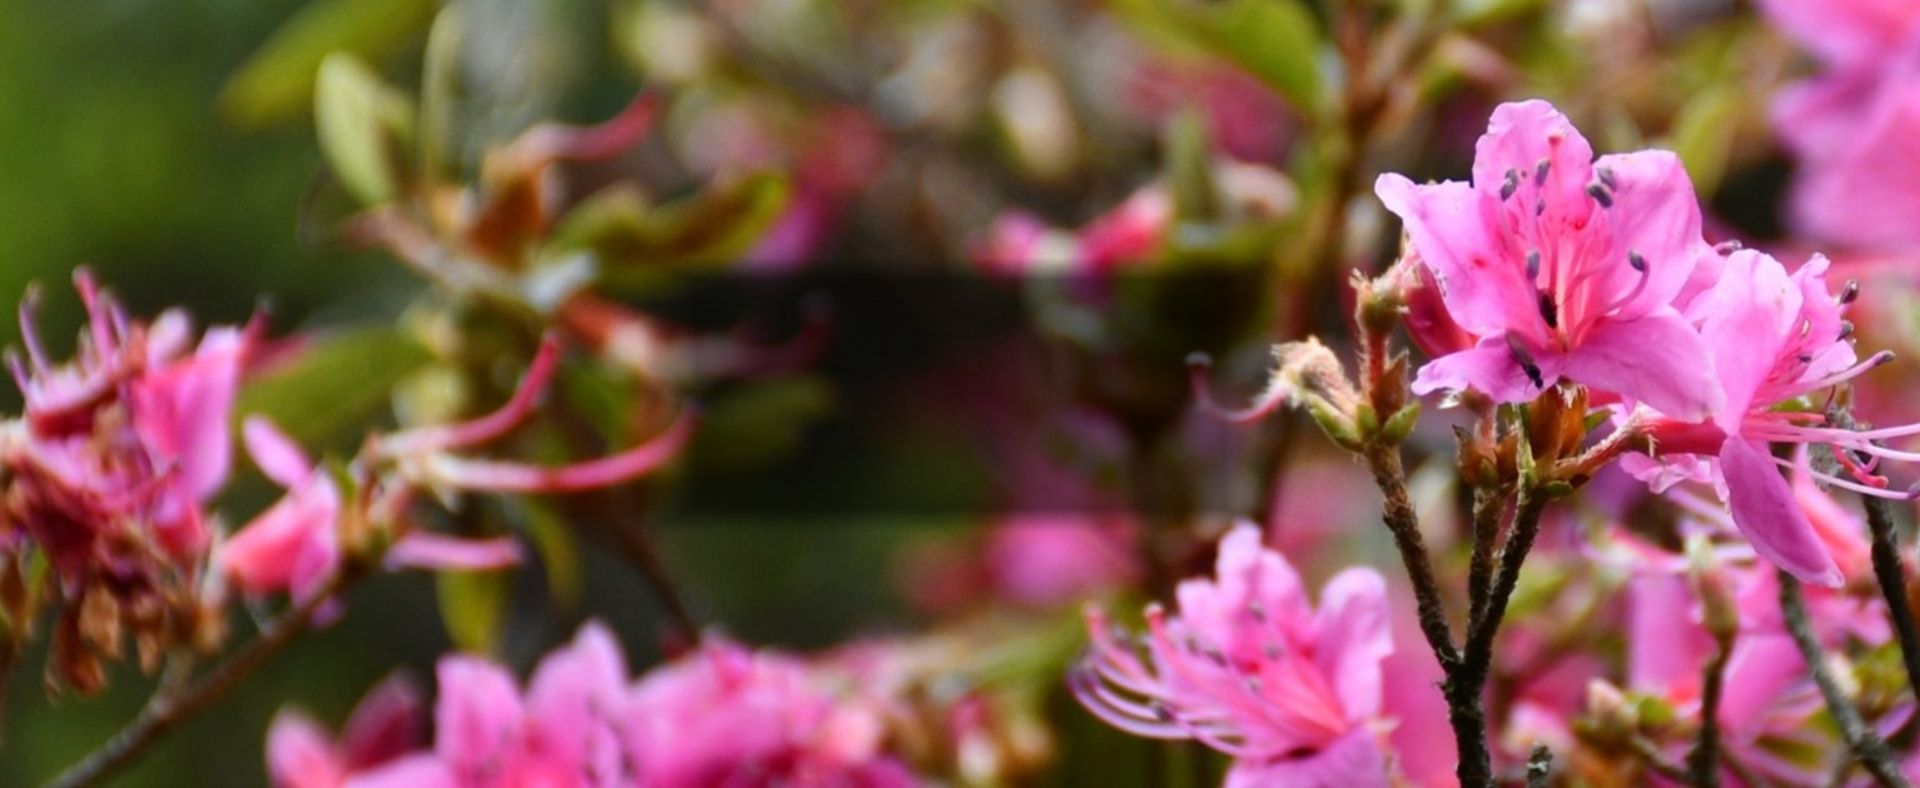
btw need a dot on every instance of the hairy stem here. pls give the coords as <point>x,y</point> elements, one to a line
<point>1893,585</point>
<point>167,710</point>
<point>1868,749</point>
<point>1488,506</point>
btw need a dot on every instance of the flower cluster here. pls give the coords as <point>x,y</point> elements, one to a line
<point>110,468</point>
<point>720,716</point>
<point>1564,268</point>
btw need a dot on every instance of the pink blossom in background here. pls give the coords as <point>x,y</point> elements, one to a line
<point>1248,121</point>
<point>1043,560</point>
<point>294,545</point>
<point>1563,266</point>
<point>1248,667</point>
<point>726,716</point>
<point>720,716</point>
<point>120,447</point>
<point>1131,232</point>
<point>384,726</point>
<point>1858,170</point>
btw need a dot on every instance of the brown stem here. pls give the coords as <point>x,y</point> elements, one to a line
<point>1868,749</point>
<point>167,710</point>
<point>1488,505</point>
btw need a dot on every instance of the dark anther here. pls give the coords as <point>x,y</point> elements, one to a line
<point>1850,292</point>
<point>1540,172</point>
<point>1637,262</point>
<point>1600,194</point>
<point>1525,360</point>
<point>1510,185</point>
<point>1606,176</point>
<point>1846,330</point>
<point>1539,206</point>
<point>1728,247</point>
<point>1533,264</point>
<point>1549,311</point>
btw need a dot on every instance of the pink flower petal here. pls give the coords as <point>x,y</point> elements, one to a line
<point>1656,215</point>
<point>277,455</point>
<point>1658,359</point>
<point>1481,272</point>
<point>428,550</point>
<point>300,754</point>
<point>1490,368</point>
<point>478,711</point>
<point>1764,509</point>
<point>1353,761</point>
<point>1354,635</point>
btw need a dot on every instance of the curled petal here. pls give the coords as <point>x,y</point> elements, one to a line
<point>488,427</point>
<point>591,474</point>
<point>300,754</point>
<point>427,550</point>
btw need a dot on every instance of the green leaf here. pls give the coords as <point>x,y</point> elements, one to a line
<point>339,381</point>
<point>276,84</point>
<point>473,607</point>
<point>1277,40</point>
<point>365,128</point>
<point>1703,135</point>
<point>559,552</point>
<point>639,244</point>
<point>761,421</point>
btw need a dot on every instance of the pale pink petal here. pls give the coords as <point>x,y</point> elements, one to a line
<point>1746,319</point>
<point>1655,215</point>
<point>1657,359</point>
<point>1353,637</point>
<point>1520,136</point>
<point>1479,268</point>
<point>290,546</point>
<point>300,754</point>
<point>1353,761</point>
<point>433,551</point>
<point>1764,509</point>
<point>573,703</point>
<point>1491,368</point>
<point>478,710</point>
<point>277,455</point>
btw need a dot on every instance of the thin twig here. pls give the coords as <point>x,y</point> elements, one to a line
<point>1887,568</point>
<point>1404,523</point>
<point>1704,761</point>
<point>1868,749</point>
<point>167,710</point>
<point>1892,578</point>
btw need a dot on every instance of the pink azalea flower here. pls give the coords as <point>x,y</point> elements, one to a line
<point>1564,267</point>
<point>1776,338</point>
<point>1765,714</point>
<point>565,731</point>
<point>1857,176</point>
<point>128,439</point>
<point>386,724</point>
<point>1250,668</point>
<point>1050,560</point>
<point>725,716</point>
<point>294,546</point>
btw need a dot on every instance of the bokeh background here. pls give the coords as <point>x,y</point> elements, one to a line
<point>170,146</point>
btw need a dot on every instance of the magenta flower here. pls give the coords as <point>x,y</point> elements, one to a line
<point>1051,560</point>
<point>726,716</point>
<point>1857,179</point>
<point>121,447</point>
<point>1776,338</point>
<point>1249,668</point>
<point>1564,267</point>
<point>384,726</point>
<point>294,545</point>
